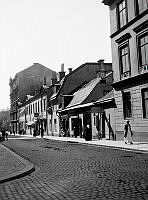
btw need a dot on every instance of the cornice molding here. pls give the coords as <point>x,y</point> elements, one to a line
<point>141,27</point>
<point>124,37</point>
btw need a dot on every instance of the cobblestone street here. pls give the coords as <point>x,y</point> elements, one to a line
<point>72,171</point>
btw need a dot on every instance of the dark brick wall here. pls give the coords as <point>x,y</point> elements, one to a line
<point>32,78</point>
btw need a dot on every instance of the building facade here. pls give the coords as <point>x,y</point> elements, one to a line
<point>70,85</point>
<point>33,113</point>
<point>82,110</point>
<point>26,82</point>
<point>129,40</point>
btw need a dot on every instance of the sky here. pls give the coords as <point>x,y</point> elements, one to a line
<point>50,32</point>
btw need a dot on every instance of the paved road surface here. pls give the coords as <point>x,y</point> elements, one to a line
<point>72,171</point>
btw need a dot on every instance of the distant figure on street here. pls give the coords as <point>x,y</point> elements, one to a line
<point>75,131</point>
<point>3,134</point>
<point>128,133</point>
<point>87,133</point>
<point>42,132</point>
<point>34,133</point>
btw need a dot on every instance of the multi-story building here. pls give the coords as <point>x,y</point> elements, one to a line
<point>83,109</point>
<point>33,113</point>
<point>129,40</point>
<point>65,89</point>
<point>27,82</point>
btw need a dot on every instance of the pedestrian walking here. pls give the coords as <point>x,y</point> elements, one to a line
<point>6,134</point>
<point>128,133</point>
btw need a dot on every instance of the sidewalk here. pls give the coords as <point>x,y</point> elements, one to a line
<point>12,166</point>
<point>136,146</point>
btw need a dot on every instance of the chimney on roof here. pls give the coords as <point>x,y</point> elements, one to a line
<point>70,70</point>
<point>44,80</point>
<point>62,67</point>
<point>101,73</point>
<point>53,81</point>
<point>61,73</point>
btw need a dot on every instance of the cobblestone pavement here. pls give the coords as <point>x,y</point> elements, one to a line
<point>71,171</point>
<point>5,166</point>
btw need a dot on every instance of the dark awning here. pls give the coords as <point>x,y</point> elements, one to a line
<point>14,121</point>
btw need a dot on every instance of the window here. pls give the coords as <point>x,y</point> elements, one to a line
<point>38,106</point>
<point>143,51</point>
<point>95,119</point>
<point>145,102</point>
<point>55,125</point>
<point>127,111</point>
<point>41,105</point>
<point>141,6</point>
<point>124,61</point>
<point>33,108</point>
<point>44,104</point>
<point>122,14</point>
<point>50,125</point>
<point>29,109</point>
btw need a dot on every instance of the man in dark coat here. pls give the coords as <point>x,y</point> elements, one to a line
<point>42,132</point>
<point>88,133</point>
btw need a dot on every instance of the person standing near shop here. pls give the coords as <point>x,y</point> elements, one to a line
<point>128,133</point>
<point>87,133</point>
<point>6,134</point>
<point>42,132</point>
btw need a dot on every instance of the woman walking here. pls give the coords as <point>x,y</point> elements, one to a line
<point>128,133</point>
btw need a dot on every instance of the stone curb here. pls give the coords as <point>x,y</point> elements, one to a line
<point>29,168</point>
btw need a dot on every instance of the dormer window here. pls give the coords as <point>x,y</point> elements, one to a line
<point>122,14</point>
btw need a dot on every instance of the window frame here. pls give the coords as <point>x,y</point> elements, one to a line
<point>137,12</point>
<point>139,36</point>
<point>38,106</point>
<point>121,46</point>
<point>44,100</point>
<point>118,14</point>
<point>143,103</point>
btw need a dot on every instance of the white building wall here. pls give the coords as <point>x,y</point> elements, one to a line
<point>54,117</point>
